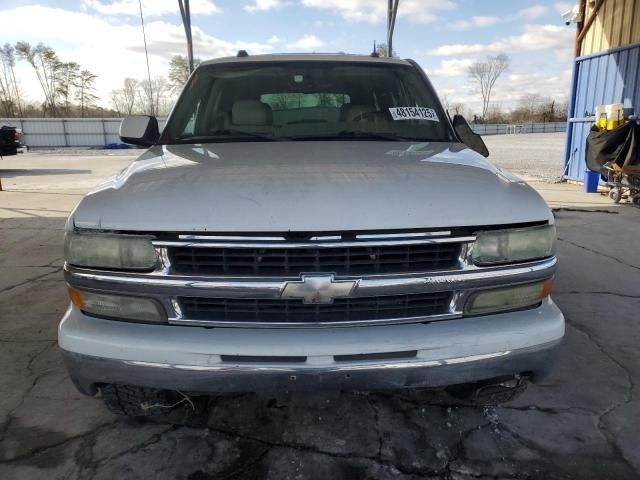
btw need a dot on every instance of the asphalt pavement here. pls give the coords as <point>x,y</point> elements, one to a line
<point>582,422</point>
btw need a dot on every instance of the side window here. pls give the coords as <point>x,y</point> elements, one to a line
<point>294,100</point>
<point>190,127</point>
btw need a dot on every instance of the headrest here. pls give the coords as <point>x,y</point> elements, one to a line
<point>349,112</point>
<point>248,111</point>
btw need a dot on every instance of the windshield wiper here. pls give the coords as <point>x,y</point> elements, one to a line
<point>227,134</point>
<point>348,134</point>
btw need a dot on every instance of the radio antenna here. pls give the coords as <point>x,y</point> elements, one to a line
<point>146,53</point>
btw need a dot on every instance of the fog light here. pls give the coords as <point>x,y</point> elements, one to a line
<point>510,298</point>
<point>116,306</point>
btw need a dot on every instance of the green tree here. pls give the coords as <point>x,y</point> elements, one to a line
<point>66,77</point>
<point>382,50</point>
<point>85,90</point>
<point>179,72</point>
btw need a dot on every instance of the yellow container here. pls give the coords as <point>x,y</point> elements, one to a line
<point>601,117</point>
<point>615,115</point>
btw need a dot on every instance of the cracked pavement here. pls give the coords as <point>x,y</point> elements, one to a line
<point>581,422</point>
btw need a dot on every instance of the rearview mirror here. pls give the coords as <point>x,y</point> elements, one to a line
<point>467,136</point>
<point>139,130</point>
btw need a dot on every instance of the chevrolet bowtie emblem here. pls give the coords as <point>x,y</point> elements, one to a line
<point>318,288</point>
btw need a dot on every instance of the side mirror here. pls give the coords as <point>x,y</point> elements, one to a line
<point>468,136</point>
<point>139,130</point>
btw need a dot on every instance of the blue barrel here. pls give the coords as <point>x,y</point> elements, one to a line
<point>591,181</point>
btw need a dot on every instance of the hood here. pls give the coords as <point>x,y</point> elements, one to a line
<point>309,186</point>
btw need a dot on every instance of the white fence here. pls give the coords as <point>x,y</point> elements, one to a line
<point>98,132</point>
<point>506,128</point>
<point>68,132</point>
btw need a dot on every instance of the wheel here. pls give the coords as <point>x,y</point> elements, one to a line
<point>634,180</point>
<point>142,402</point>
<point>615,194</point>
<point>490,392</point>
<point>636,199</point>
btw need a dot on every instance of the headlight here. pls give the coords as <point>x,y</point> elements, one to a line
<point>117,306</point>
<point>510,298</point>
<point>122,252</point>
<point>514,245</point>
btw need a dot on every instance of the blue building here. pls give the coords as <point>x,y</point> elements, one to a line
<point>606,70</point>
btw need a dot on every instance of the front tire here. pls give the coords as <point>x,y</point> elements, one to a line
<point>615,194</point>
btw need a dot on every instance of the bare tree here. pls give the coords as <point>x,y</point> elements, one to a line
<point>124,99</point>
<point>10,95</point>
<point>46,64</point>
<point>459,108</point>
<point>118,102</point>
<point>486,73</point>
<point>152,99</point>
<point>281,101</point>
<point>85,90</point>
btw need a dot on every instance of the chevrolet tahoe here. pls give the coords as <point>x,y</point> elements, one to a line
<point>308,222</point>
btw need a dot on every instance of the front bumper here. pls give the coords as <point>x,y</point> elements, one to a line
<point>196,359</point>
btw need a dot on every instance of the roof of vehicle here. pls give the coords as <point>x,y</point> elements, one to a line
<point>312,57</point>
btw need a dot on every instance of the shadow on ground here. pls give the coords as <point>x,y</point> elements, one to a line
<point>24,172</point>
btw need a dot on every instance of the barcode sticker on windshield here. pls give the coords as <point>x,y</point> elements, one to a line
<point>413,113</point>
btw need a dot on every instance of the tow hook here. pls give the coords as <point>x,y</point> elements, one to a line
<point>491,392</point>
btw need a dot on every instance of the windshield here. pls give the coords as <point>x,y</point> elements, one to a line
<point>306,100</point>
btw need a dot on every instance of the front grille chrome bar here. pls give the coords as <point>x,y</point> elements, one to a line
<point>310,244</point>
<point>282,238</point>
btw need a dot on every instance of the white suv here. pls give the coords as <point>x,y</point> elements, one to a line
<point>308,221</point>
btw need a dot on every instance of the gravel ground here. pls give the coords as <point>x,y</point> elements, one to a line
<point>531,156</point>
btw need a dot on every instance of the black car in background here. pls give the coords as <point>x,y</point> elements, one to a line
<point>9,140</point>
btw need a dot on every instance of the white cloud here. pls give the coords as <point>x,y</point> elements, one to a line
<point>263,5</point>
<point>535,37</point>
<point>454,67</point>
<point>112,51</point>
<point>547,85</point>
<point>420,11</point>
<point>307,42</point>
<point>475,22</point>
<point>561,7</point>
<point>532,12</point>
<point>275,39</point>
<point>150,8</point>
<point>508,90</point>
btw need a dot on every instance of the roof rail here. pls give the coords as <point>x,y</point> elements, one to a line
<point>242,53</point>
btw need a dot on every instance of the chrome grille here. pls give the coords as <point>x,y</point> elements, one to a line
<point>342,260</point>
<point>295,311</point>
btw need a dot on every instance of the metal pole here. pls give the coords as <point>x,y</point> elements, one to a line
<point>64,131</point>
<point>587,24</point>
<point>185,11</point>
<point>104,131</point>
<point>146,52</point>
<point>392,12</point>
<point>389,17</point>
<point>579,26</point>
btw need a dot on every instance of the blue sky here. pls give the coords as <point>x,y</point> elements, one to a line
<point>444,36</point>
